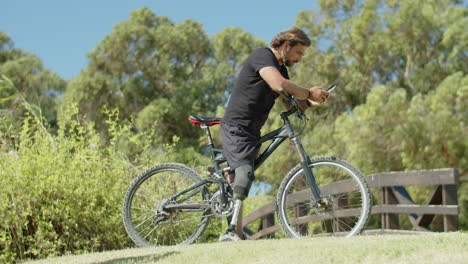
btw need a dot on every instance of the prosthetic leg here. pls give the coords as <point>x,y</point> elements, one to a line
<point>242,183</point>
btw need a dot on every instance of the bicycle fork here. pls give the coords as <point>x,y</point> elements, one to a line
<point>305,161</point>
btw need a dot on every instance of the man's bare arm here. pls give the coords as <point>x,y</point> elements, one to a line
<point>276,81</point>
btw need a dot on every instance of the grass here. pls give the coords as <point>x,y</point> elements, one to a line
<point>427,248</point>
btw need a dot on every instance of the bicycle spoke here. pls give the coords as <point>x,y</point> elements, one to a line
<point>146,220</point>
<point>175,224</point>
<point>143,215</point>
<point>149,226</point>
<point>145,209</point>
<point>343,197</point>
<point>152,230</point>
<point>343,222</point>
<point>146,197</point>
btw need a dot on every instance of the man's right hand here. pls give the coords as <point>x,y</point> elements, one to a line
<point>318,95</point>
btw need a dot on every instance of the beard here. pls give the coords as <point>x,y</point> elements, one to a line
<point>287,61</point>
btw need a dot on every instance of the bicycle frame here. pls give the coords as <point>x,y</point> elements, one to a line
<point>277,137</point>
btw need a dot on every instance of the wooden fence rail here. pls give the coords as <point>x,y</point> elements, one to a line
<point>395,200</point>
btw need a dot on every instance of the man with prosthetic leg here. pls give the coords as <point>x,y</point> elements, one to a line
<point>258,85</point>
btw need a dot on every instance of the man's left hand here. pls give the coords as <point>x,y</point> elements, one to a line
<point>318,95</point>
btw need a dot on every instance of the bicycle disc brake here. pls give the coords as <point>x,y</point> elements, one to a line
<point>325,206</point>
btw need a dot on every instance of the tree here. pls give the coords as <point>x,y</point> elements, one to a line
<point>391,132</point>
<point>434,135</point>
<point>406,44</point>
<point>231,48</point>
<point>157,72</point>
<point>150,69</point>
<point>25,87</point>
<point>38,86</point>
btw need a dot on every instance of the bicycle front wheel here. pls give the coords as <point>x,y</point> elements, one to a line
<point>154,216</point>
<point>346,200</point>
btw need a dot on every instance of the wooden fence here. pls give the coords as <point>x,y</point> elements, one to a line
<point>395,200</point>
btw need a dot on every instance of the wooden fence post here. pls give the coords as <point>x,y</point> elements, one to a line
<point>341,225</point>
<point>450,197</point>
<point>265,222</point>
<point>389,221</point>
<point>301,210</point>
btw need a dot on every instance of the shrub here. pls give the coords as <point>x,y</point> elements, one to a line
<point>62,193</point>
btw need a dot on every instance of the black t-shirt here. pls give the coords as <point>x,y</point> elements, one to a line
<point>252,98</point>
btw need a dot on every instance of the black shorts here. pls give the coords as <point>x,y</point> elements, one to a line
<point>240,145</point>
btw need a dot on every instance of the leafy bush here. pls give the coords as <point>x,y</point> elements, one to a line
<point>63,193</point>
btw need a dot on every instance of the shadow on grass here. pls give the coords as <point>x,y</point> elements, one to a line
<point>139,259</point>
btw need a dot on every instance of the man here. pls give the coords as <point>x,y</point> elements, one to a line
<point>257,86</point>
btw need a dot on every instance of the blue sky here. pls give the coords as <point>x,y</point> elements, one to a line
<point>61,32</point>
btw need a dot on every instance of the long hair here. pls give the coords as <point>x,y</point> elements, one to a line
<point>293,36</point>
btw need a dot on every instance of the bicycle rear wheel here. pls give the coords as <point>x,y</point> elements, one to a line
<point>346,199</point>
<point>153,217</point>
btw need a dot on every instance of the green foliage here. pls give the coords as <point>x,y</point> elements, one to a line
<point>368,135</point>
<point>390,132</point>
<point>10,124</point>
<point>60,196</point>
<point>159,72</point>
<point>231,48</point>
<point>412,45</point>
<point>63,193</point>
<point>7,117</point>
<point>39,86</point>
<point>145,61</point>
<point>434,135</point>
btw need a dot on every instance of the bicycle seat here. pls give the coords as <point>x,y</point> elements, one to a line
<point>208,121</point>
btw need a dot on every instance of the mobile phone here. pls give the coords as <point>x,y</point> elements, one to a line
<point>331,88</point>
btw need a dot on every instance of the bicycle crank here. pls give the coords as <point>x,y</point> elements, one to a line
<point>219,208</point>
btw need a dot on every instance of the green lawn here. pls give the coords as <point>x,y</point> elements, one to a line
<point>424,248</point>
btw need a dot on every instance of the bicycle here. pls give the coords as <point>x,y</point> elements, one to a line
<point>170,204</point>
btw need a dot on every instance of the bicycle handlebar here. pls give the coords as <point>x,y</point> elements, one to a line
<point>295,104</point>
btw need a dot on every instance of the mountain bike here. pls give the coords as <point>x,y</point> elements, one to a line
<point>171,204</point>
